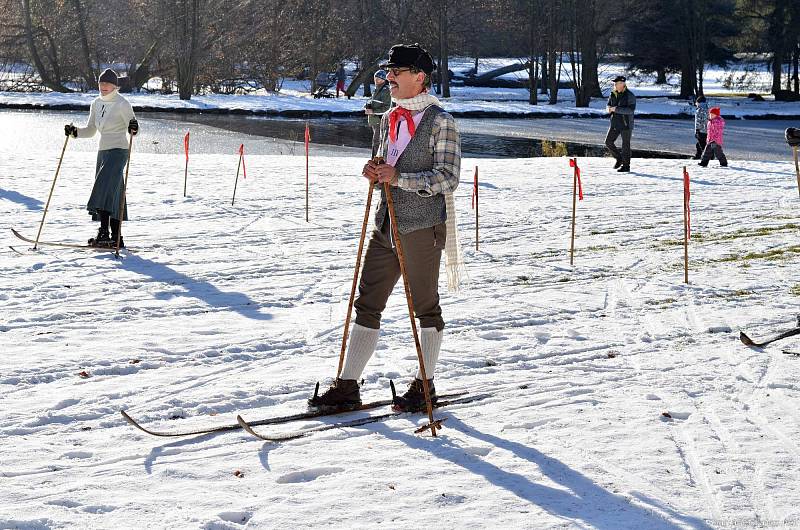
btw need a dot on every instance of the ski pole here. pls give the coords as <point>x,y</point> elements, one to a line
<point>401,259</point>
<point>378,160</point>
<point>122,199</point>
<point>53,186</point>
<point>574,210</point>
<point>236,182</point>
<point>355,277</point>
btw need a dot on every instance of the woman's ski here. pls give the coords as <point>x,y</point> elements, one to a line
<point>65,245</point>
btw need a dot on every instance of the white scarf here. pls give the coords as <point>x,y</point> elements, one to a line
<point>111,96</point>
<point>453,259</point>
<point>419,102</point>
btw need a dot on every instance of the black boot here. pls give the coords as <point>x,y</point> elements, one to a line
<point>624,169</point>
<point>342,395</point>
<point>102,239</point>
<point>114,232</point>
<point>618,164</point>
<point>414,398</point>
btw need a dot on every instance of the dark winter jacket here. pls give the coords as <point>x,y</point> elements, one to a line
<point>381,102</point>
<point>701,117</point>
<point>622,118</point>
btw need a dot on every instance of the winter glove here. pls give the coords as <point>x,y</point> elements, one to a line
<point>792,136</point>
<point>71,130</point>
<point>133,127</point>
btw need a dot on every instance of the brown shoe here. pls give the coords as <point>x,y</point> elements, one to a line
<point>342,395</point>
<point>414,398</point>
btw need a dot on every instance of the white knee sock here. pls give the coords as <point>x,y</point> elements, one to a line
<point>362,345</point>
<point>431,341</point>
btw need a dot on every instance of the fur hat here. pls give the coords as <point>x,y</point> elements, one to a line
<point>410,56</point>
<point>109,76</point>
<point>713,111</point>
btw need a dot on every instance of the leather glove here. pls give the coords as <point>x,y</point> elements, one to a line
<point>133,127</point>
<point>70,130</point>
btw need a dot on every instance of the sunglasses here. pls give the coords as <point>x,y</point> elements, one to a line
<point>396,71</point>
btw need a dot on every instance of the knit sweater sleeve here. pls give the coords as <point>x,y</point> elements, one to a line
<point>91,126</point>
<point>445,144</point>
<point>127,111</point>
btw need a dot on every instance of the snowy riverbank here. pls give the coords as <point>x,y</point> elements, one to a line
<point>295,101</point>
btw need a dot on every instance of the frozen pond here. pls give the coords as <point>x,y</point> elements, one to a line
<point>486,137</point>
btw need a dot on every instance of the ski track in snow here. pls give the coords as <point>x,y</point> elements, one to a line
<point>220,309</point>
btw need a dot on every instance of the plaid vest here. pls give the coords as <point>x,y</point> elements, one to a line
<point>414,212</point>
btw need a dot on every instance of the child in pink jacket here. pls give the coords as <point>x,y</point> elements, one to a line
<point>716,127</point>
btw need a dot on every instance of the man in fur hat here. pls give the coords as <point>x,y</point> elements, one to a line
<point>421,148</point>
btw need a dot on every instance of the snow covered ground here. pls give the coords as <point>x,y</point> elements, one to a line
<point>220,309</point>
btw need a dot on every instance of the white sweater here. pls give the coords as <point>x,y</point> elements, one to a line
<point>110,115</point>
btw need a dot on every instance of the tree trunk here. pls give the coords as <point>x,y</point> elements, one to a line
<point>444,67</point>
<point>140,72</point>
<point>552,76</point>
<point>53,84</point>
<point>364,75</point>
<point>777,33</point>
<point>586,41</point>
<point>544,77</point>
<point>533,64</point>
<point>688,52</point>
<point>89,71</point>
<point>188,53</point>
<point>661,76</point>
<point>497,72</point>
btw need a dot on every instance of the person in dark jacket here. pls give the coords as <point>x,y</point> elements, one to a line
<point>374,109</point>
<point>621,105</point>
<point>700,125</point>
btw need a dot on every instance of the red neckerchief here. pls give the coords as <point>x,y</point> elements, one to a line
<point>394,117</point>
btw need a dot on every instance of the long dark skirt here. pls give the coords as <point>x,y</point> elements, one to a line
<point>107,191</point>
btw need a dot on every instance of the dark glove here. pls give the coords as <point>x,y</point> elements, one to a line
<point>71,130</point>
<point>133,127</point>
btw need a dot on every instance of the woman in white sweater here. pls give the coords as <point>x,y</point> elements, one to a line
<point>112,115</point>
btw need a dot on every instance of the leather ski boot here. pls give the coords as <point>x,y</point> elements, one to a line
<point>342,395</point>
<point>414,398</point>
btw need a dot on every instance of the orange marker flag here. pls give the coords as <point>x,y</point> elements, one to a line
<point>474,187</point>
<point>574,163</point>
<point>686,196</point>
<point>241,155</point>
<point>186,145</point>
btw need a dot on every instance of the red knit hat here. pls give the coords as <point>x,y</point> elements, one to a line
<point>713,110</point>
